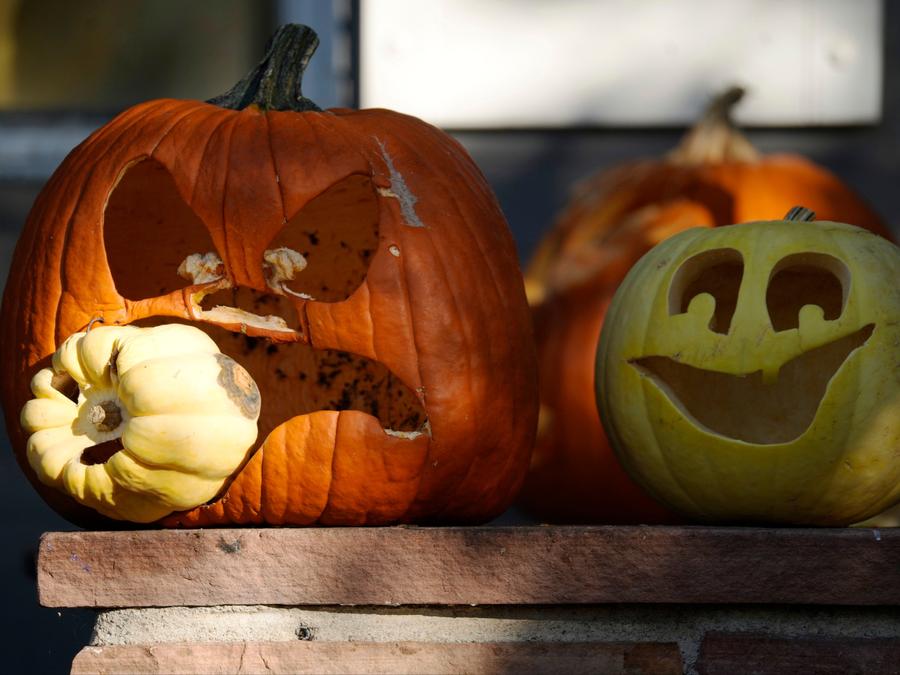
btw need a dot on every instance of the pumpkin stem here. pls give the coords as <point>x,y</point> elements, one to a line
<point>801,214</point>
<point>715,138</point>
<point>275,83</point>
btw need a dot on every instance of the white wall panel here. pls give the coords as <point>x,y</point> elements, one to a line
<point>557,63</point>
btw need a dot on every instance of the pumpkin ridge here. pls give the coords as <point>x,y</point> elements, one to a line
<point>372,327</point>
<point>27,246</point>
<point>175,154</point>
<point>227,242</point>
<point>451,490</point>
<point>460,484</point>
<point>331,475</point>
<point>472,465</point>
<point>265,505</point>
<point>275,175</point>
<point>440,265</point>
<point>662,459</point>
<point>612,318</point>
<point>217,231</point>
<point>332,480</point>
<point>848,447</point>
<point>351,137</point>
<point>354,141</point>
<point>219,119</point>
<point>60,177</point>
<point>86,177</point>
<point>188,109</point>
<point>252,136</point>
<point>13,292</point>
<point>472,234</point>
<point>411,329</point>
<point>512,486</point>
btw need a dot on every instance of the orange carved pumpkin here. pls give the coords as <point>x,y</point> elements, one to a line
<point>715,177</point>
<point>355,263</point>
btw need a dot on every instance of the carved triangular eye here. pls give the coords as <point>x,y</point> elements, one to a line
<point>148,231</point>
<point>324,251</point>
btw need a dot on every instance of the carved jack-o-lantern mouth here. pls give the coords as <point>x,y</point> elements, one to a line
<point>747,407</point>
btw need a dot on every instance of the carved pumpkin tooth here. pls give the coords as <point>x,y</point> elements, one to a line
<point>282,265</point>
<point>202,268</point>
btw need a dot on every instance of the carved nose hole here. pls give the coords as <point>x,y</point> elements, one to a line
<point>806,279</point>
<point>717,272</point>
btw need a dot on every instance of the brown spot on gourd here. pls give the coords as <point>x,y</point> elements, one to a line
<point>239,386</point>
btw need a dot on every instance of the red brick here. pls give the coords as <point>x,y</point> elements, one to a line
<point>460,566</point>
<point>729,653</point>
<point>382,657</point>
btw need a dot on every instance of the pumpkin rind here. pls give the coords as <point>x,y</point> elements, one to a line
<point>447,315</point>
<point>842,467</point>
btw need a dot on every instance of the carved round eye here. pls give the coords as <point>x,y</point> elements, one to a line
<point>806,279</point>
<point>717,272</point>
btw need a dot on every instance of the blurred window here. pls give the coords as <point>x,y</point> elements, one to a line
<point>107,54</point>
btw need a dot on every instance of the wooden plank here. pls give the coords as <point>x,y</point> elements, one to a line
<point>729,653</point>
<point>460,566</point>
<point>211,658</point>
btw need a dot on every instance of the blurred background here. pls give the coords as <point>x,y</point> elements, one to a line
<point>542,93</point>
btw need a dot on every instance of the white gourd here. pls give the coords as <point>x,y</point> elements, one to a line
<point>184,413</point>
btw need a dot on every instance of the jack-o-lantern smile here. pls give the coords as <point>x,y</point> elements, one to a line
<point>748,372</point>
<point>747,407</point>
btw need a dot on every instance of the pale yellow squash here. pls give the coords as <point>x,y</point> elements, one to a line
<point>178,416</point>
<point>751,373</point>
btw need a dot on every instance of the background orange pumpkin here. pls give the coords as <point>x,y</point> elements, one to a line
<point>714,177</point>
<point>397,368</point>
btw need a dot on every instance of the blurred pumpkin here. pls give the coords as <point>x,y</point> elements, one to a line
<point>749,373</point>
<point>355,263</point>
<point>714,177</point>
